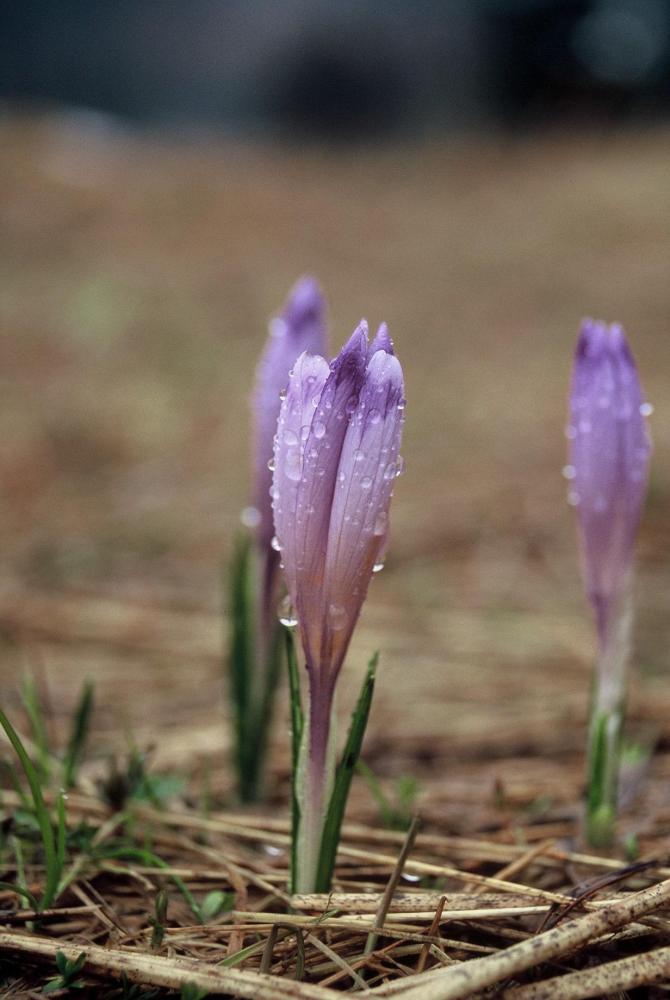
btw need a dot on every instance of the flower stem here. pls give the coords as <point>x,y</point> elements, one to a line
<point>606,724</point>
<point>316,771</point>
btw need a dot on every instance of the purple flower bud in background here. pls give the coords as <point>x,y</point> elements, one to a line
<point>301,326</point>
<point>609,461</point>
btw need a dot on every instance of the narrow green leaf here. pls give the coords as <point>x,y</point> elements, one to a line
<point>241,662</point>
<point>297,725</point>
<point>78,736</point>
<point>31,703</point>
<point>25,893</point>
<point>41,812</point>
<point>345,771</point>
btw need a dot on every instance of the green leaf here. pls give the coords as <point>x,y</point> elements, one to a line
<point>53,869</point>
<point>20,891</point>
<point>345,771</point>
<point>214,903</point>
<point>31,703</point>
<point>78,736</point>
<point>297,726</point>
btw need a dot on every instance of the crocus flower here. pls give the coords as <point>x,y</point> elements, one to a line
<point>254,640</point>
<point>336,458</point>
<point>608,471</point>
<point>609,461</point>
<point>301,326</point>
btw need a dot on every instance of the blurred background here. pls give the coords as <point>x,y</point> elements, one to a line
<point>481,175</point>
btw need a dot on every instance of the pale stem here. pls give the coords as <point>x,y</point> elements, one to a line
<point>607,719</point>
<point>316,771</point>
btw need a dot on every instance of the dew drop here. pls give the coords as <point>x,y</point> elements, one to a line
<point>366,483</point>
<point>574,498</point>
<point>271,464</point>
<point>646,409</point>
<point>319,429</point>
<point>292,466</point>
<point>275,544</point>
<point>380,523</point>
<point>359,456</point>
<point>250,517</point>
<point>400,466</point>
<point>391,471</point>
<point>569,471</point>
<point>337,617</point>
<point>378,567</point>
<point>352,403</point>
<point>290,438</point>
<point>282,395</point>
<point>374,416</point>
<point>286,614</point>
<point>570,432</point>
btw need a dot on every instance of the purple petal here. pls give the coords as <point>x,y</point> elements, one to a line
<point>301,327</point>
<point>296,416</point>
<point>366,474</point>
<point>381,342</point>
<point>609,459</point>
<point>306,553</point>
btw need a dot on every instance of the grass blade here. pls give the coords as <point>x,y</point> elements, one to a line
<point>78,737</point>
<point>345,772</point>
<point>51,857</point>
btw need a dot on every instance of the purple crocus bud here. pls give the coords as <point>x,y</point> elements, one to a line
<point>609,461</point>
<point>335,462</point>
<point>336,459</point>
<point>301,326</point>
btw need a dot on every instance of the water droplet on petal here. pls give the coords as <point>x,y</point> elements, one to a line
<point>352,403</point>
<point>319,429</point>
<point>290,438</point>
<point>359,456</point>
<point>374,416</point>
<point>570,432</point>
<point>400,466</point>
<point>574,498</point>
<point>366,483</point>
<point>569,471</point>
<point>378,567</point>
<point>271,464</point>
<point>390,471</point>
<point>275,544</point>
<point>250,517</point>
<point>292,466</point>
<point>286,613</point>
<point>337,617</point>
<point>380,523</point>
<point>282,395</point>
<point>646,409</point>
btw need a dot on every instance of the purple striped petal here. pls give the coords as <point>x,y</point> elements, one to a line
<point>382,342</point>
<point>369,465</point>
<point>609,459</point>
<point>296,416</point>
<point>300,327</point>
<point>336,459</point>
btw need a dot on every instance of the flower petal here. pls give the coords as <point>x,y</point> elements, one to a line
<point>301,327</point>
<point>296,416</point>
<point>609,457</point>
<point>359,520</point>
